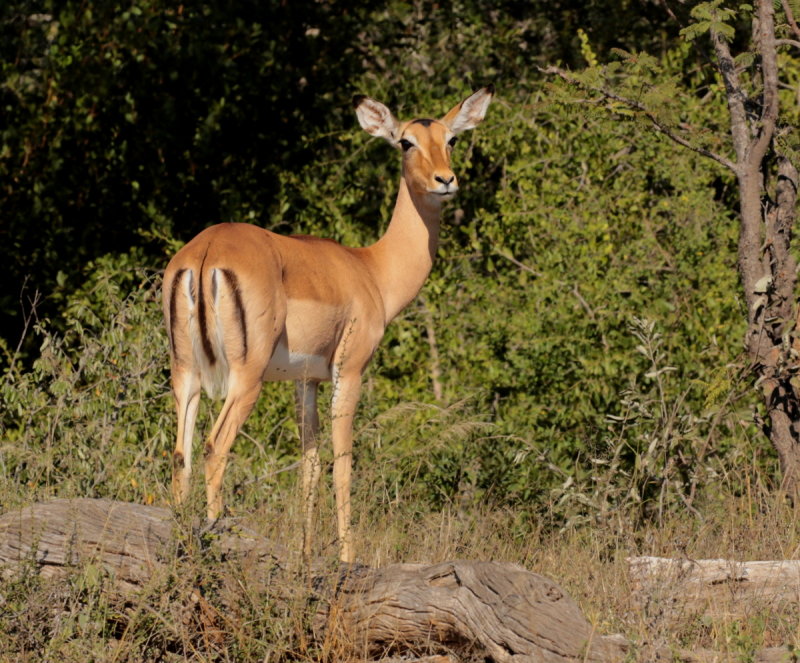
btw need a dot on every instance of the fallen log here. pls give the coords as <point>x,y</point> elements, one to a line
<point>460,609</point>
<point>719,589</point>
<point>714,587</point>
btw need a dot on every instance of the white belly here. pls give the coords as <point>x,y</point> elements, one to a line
<point>286,365</point>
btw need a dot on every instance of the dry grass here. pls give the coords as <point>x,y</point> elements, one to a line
<point>591,564</point>
<point>79,619</point>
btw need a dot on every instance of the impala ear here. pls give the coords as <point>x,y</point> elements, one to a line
<point>469,113</point>
<point>376,119</point>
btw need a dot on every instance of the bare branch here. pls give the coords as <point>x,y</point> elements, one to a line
<point>29,317</point>
<point>736,97</point>
<point>436,364</point>
<point>751,267</point>
<point>769,71</point>
<point>779,222</point>
<point>787,9</point>
<point>787,42</point>
<point>637,106</point>
<point>507,255</point>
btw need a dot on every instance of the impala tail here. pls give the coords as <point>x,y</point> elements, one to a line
<point>205,321</point>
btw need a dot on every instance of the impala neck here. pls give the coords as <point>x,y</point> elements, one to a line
<point>403,257</point>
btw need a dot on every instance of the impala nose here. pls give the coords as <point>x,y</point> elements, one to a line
<point>445,179</point>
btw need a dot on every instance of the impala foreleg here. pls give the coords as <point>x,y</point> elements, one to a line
<point>186,390</point>
<point>308,423</point>
<point>238,405</point>
<point>346,392</point>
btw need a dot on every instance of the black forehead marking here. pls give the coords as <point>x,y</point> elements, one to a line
<point>424,122</point>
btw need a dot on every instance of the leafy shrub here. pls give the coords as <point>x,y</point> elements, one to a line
<point>92,417</point>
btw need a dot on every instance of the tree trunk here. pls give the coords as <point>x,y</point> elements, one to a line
<point>767,267</point>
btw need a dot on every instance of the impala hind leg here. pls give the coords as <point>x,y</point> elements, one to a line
<point>186,390</point>
<point>242,396</point>
<point>308,423</point>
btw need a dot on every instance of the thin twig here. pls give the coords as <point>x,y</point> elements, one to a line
<point>787,42</point>
<point>635,105</point>
<point>436,366</point>
<point>787,9</point>
<point>27,320</point>
<point>507,255</point>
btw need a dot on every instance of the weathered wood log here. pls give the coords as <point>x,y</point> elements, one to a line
<point>715,587</point>
<point>486,610</point>
<point>128,540</point>
<point>498,610</point>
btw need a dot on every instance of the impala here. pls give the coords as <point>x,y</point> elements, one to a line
<point>243,305</point>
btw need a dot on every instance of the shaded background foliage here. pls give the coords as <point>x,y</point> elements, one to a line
<point>125,122</point>
<point>584,300</point>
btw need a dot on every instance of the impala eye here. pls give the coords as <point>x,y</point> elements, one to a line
<point>452,141</point>
<point>406,144</point>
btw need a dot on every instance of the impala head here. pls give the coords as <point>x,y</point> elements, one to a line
<point>426,143</point>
